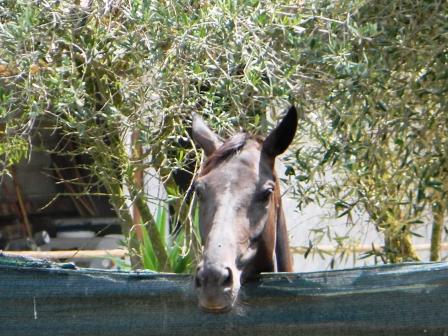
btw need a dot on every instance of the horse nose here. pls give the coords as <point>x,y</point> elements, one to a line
<point>214,276</point>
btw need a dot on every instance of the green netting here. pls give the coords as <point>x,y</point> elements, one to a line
<point>42,298</point>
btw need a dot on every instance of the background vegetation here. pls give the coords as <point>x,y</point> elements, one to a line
<point>370,79</point>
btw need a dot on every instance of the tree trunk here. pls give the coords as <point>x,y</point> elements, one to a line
<point>437,229</point>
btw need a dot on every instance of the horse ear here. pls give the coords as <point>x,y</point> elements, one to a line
<point>281,137</point>
<point>204,136</point>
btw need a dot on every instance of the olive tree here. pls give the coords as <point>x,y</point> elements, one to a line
<point>369,78</point>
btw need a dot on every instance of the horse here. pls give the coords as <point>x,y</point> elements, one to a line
<point>241,222</point>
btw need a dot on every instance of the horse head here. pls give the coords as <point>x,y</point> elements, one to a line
<point>241,220</point>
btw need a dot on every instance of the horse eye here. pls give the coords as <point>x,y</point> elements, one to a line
<point>265,194</point>
<point>199,190</point>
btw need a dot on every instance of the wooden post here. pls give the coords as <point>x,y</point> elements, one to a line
<point>85,254</point>
<point>22,207</point>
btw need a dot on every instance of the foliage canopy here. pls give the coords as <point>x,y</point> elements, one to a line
<point>370,78</point>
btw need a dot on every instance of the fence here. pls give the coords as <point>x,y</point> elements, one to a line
<point>43,298</point>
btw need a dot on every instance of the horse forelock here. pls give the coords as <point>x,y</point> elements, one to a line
<point>230,147</point>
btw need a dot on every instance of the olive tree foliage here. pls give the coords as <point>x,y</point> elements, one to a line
<point>383,124</point>
<point>369,77</point>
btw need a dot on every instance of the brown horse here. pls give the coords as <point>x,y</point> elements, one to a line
<point>241,220</point>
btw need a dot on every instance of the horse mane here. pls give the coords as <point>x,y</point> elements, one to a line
<point>282,251</point>
<point>229,148</point>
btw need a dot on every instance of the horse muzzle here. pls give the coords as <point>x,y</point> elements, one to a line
<point>216,286</point>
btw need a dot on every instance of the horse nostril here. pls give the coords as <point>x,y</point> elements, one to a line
<point>197,282</point>
<point>227,279</point>
<point>198,279</point>
<point>213,276</point>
